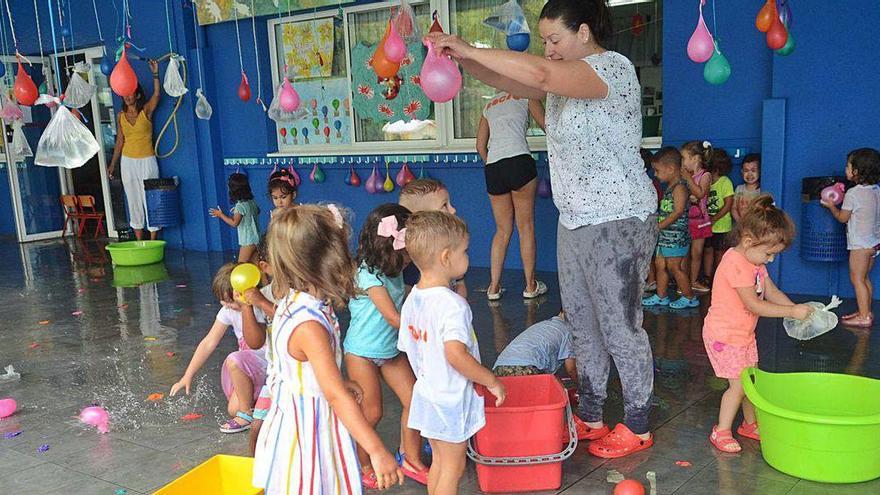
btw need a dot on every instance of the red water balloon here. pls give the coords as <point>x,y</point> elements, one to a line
<point>777,35</point>
<point>629,487</point>
<point>123,80</point>
<point>244,89</point>
<point>25,90</point>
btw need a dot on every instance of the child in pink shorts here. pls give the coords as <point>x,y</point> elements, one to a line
<point>741,292</point>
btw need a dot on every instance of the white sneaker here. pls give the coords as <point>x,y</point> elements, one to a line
<point>495,296</point>
<point>540,289</point>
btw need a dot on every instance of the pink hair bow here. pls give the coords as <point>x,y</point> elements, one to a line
<point>388,228</point>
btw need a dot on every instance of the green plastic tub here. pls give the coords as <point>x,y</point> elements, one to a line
<point>818,426</point>
<point>136,253</point>
<point>133,276</point>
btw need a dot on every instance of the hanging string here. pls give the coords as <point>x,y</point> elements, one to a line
<point>257,56</point>
<point>168,27</point>
<point>238,40</point>
<point>39,32</point>
<point>70,25</point>
<point>5,49</point>
<point>714,22</point>
<point>97,20</point>
<point>11,27</point>
<point>198,52</point>
<point>63,41</point>
<point>54,46</point>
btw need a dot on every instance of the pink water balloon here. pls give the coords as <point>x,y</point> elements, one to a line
<point>395,48</point>
<point>374,181</point>
<point>7,407</point>
<point>440,77</point>
<point>833,194</point>
<point>701,45</point>
<point>288,98</point>
<point>97,417</point>
<point>405,176</point>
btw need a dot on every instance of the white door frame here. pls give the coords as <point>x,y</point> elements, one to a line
<point>12,169</point>
<point>94,54</point>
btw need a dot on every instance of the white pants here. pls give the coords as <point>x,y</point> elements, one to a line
<point>133,172</point>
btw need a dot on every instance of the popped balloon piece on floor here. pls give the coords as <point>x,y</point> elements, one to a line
<point>12,434</point>
<point>155,397</point>
<point>96,416</point>
<point>652,481</point>
<point>10,376</point>
<point>191,416</point>
<point>79,91</point>
<point>684,464</point>
<point>34,345</point>
<point>65,142</point>
<point>123,80</point>
<point>169,354</point>
<point>43,448</point>
<point>8,406</point>
<point>77,313</point>
<point>24,88</point>
<point>203,108</point>
<point>614,476</point>
<point>173,83</point>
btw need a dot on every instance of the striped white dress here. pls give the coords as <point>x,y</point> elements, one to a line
<point>303,448</point>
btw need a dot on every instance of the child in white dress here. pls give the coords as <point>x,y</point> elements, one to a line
<point>437,335</point>
<point>304,445</point>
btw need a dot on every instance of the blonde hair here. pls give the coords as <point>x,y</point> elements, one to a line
<point>308,251</point>
<point>222,285</point>
<point>764,223</point>
<point>430,232</point>
<point>412,193</point>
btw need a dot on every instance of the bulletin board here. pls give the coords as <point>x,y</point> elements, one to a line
<point>328,118</point>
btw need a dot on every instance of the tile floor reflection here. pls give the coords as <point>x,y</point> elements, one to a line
<point>130,341</point>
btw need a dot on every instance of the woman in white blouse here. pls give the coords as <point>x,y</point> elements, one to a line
<point>607,228</point>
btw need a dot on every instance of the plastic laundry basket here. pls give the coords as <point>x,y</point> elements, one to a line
<point>524,442</point>
<point>219,475</point>
<point>818,426</point>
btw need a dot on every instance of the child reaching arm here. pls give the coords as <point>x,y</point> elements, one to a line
<point>742,292</point>
<point>244,215</point>
<point>308,438</point>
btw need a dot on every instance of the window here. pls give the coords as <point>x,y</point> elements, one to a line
<point>350,109</point>
<point>383,107</point>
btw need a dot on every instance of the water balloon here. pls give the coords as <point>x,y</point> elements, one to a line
<point>107,64</point>
<point>404,176</point>
<point>123,80</point>
<point>777,35</point>
<point>629,487</point>
<point>440,77</point>
<point>388,185</point>
<point>372,181</point>
<point>765,17</point>
<point>393,45</point>
<point>518,42</point>
<point>700,46</point>
<point>244,88</point>
<point>789,46</point>
<point>288,98</point>
<point>24,88</point>
<point>7,407</point>
<point>833,194</point>
<point>383,67</point>
<point>717,69</point>
<point>354,178</point>
<point>244,277</point>
<point>96,416</point>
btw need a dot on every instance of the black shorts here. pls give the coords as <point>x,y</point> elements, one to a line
<point>719,242</point>
<point>510,174</point>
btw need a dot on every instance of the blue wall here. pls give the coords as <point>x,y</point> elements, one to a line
<point>804,112</point>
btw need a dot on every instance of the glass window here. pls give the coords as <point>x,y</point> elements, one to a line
<point>388,109</point>
<point>467,21</point>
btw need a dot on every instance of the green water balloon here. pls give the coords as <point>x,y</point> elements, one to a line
<point>717,69</point>
<point>788,48</point>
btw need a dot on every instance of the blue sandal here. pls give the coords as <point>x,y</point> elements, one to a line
<point>655,300</point>
<point>683,302</point>
<point>233,426</point>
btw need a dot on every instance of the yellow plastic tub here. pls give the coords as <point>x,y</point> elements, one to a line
<point>219,475</point>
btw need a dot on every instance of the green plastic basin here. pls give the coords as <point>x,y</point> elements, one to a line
<point>818,426</point>
<point>136,253</point>
<point>133,276</point>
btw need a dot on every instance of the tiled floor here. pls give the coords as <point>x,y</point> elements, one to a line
<point>116,353</point>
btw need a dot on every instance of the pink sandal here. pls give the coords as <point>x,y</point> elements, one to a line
<point>723,440</point>
<point>849,316</point>
<point>749,430</point>
<point>369,480</point>
<point>858,321</point>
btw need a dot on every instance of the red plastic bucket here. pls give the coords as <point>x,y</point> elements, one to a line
<point>523,444</point>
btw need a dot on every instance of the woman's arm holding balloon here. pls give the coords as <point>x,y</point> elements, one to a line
<point>571,78</point>
<point>153,102</point>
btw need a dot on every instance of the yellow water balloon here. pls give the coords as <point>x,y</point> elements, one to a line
<point>244,276</point>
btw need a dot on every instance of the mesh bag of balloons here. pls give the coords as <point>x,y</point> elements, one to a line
<point>820,321</point>
<point>173,82</point>
<point>65,142</point>
<point>510,19</point>
<point>79,91</point>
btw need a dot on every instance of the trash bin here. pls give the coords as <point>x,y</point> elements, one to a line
<point>163,204</point>
<point>822,237</point>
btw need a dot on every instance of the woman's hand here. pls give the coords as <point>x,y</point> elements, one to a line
<point>154,66</point>
<point>183,383</point>
<point>451,45</point>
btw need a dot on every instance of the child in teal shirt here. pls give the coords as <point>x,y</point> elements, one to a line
<point>245,213</point>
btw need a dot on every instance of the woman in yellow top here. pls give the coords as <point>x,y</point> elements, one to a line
<point>134,150</point>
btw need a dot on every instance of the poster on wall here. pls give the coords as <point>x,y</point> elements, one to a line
<point>307,48</point>
<point>214,11</point>
<point>389,99</point>
<point>328,121</point>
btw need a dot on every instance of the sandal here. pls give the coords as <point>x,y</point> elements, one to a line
<point>233,426</point>
<point>655,300</point>
<point>620,442</point>
<point>369,480</point>
<point>540,290</point>
<point>496,295</point>
<point>683,303</point>
<point>584,432</point>
<point>699,287</point>
<point>849,316</point>
<point>408,471</point>
<point>860,322</point>
<point>749,430</point>
<point>724,441</point>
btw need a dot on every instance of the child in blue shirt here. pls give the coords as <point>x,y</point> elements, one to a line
<point>371,341</point>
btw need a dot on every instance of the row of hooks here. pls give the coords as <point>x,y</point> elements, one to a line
<point>445,158</point>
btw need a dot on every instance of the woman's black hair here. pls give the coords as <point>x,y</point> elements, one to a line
<point>282,179</point>
<point>865,165</point>
<point>377,252</point>
<point>239,188</point>
<point>573,13</point>
<point>140,99</point>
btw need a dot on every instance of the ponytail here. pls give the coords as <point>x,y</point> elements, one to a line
<point>764,223</point>
<point>701,149</point>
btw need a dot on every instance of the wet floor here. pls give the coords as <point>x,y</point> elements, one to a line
<point>81,332</point>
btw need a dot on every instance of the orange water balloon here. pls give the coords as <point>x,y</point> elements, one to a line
<point>764,20</point>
